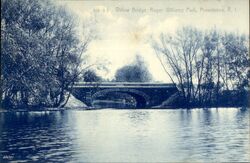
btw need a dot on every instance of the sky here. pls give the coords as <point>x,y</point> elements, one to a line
<point>124,29</point>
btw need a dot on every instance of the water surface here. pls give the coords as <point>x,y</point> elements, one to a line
<point>111,135</point>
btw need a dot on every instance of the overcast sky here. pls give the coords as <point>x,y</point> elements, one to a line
<point>124,28</point>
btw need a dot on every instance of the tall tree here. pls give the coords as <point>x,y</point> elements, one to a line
<point>204,64</point>
<point>41,53</point>
<point>181,52</point>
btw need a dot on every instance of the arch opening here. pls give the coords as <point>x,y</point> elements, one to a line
<point>140,100</point>
<point>129,98</point>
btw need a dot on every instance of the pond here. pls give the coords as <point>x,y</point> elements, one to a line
<point>125,135</point>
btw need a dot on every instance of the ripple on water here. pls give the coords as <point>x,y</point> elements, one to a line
<point>131,135</point>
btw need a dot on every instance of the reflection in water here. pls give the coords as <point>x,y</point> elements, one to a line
<point>138,117</point>
<point>125,135</point>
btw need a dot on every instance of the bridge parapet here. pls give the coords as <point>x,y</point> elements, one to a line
<point>145,94</point>
<point>124,84</point>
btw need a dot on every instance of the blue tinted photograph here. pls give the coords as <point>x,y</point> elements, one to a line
<point>116,81</point>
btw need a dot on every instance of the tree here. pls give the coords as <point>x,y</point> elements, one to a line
<point>91,76</point>
<point>135,72</point>
<point>41,53</point>
<point>182,54</point>
<point>204,64</point>
<point>236,54</point>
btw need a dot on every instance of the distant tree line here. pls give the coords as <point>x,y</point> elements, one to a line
<point>137,71</point>
<point>210,68</point>
<point>40,53</point>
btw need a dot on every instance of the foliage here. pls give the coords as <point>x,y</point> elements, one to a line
<point>40,51</point>
<point>204,64</point>
<point>135,72</point>
<point>91,76</point>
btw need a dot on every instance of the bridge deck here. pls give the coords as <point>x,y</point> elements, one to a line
<point>122,85</point>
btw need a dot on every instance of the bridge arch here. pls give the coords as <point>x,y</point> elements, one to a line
<point>142,99</point>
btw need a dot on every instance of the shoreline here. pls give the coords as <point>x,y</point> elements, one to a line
<point>92,109</point>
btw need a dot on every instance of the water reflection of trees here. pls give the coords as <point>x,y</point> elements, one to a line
<point>35,136</point>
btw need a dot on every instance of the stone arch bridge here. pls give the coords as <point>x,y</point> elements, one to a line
<point>145,94</point>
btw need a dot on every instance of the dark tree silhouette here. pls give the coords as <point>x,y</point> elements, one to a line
<point>135,72</point>
<point>91,76</point>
